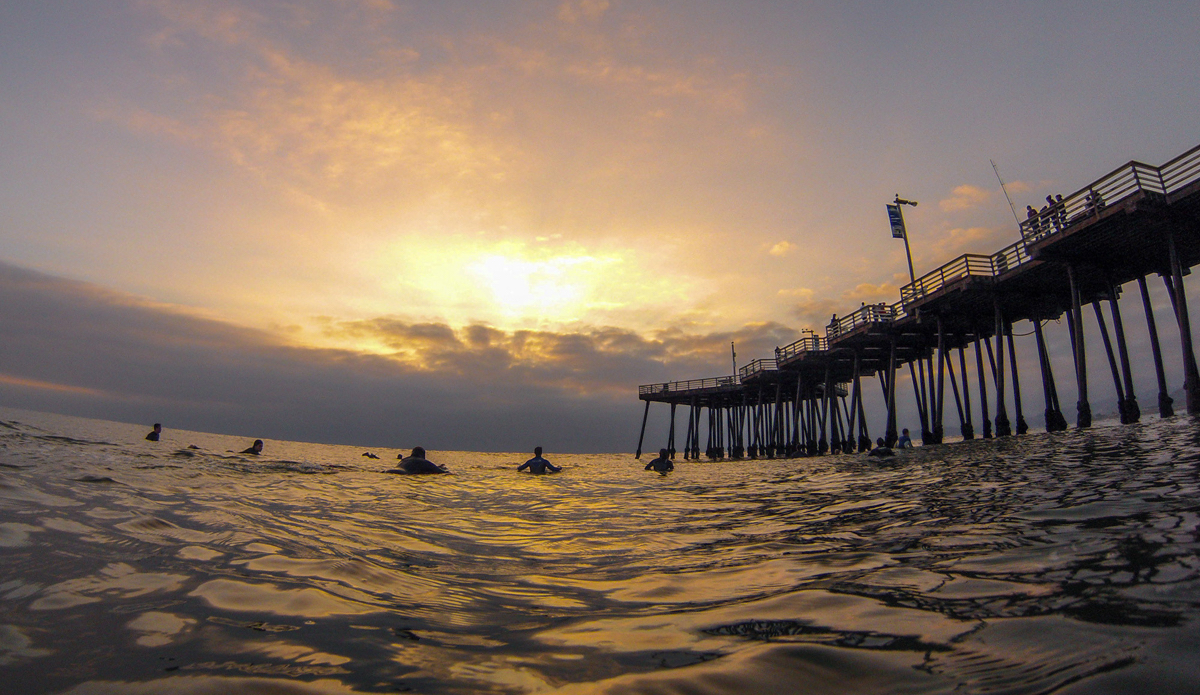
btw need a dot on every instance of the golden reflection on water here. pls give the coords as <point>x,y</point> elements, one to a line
<point>1016,566</point>
<point>227,594</point>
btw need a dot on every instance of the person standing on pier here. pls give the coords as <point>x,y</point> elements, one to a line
<point>538,465</point>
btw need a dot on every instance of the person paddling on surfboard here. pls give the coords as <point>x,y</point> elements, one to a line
<point>255,448</point>
<point>538,465</point>
<point>416,464</point>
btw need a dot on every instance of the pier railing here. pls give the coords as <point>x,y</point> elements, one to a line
<point>711,383</point>
<point>967,265</point>
<point>1011,256</point>
<point>812,343</point>
<point>757,367</point>
<point>1180,172</point>
<point>964,266</point>
<point>1132,179</point>
<point>866,315</point>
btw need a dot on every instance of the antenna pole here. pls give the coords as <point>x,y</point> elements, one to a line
<point>1010,203</point>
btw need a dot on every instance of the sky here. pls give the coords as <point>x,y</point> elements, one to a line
<point>480,226</point>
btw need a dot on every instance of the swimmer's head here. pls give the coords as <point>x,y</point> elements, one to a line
<point>537,451</point>
<point>418,452</point>
<point>663,453</point>
<point>879,441</point>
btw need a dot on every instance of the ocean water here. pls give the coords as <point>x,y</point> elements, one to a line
<point>1059,563</point>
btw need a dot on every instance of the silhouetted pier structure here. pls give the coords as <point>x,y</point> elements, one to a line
<point>1083,249</point>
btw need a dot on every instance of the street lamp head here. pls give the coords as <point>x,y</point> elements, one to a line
<point>901,201</point>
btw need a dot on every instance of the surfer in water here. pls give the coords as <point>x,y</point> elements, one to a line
<point>538,465</point>
<point>416,464</point>
<point>255,448</point>
<point>663,463</point>
<point>881,449</point>
<point>155,433</point>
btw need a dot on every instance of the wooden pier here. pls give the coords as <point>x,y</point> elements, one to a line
<point>1136,221</point>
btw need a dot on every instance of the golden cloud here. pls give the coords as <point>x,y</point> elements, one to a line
<point>873,294</point>
<point>782,248</point>
<point>965,197</point>
<point>47,385</point>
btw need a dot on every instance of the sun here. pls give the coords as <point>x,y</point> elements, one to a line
<point>549,289</point>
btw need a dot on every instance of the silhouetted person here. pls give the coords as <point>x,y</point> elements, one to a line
<point>663,463</point>
<point>538,465</point>
<point>416,464</point>
<point>156,433</point>
<point>881,449</point>
<point>370,455</point>
<point>905,441</point>
<point>255,448</point>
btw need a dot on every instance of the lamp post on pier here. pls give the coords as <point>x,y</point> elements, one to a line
<point>898,230</point>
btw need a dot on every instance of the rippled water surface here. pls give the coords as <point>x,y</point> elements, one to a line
<point>1046,563</point>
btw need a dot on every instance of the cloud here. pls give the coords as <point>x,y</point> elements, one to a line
<point>812,311</point>
<point>782,248</point>
<point>38,384</point>
<point>966,197</point>
<point>873,294</point>
<point>476,126</point>
<point>982,240</point>
<point>73,347</point>
<point>573,12</point>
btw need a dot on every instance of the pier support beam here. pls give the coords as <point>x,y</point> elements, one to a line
<point>1165,402</point>
<point>1055,422</point>
<point>1022,426</point>
<point>890,435</point>
<point>923,401</point>
<point>922,404</point>
<point>1082,406</point>
<point>958,401</point>
<point>1133,411</point>
<point>939,395</point>
<point>983,403</point>
<point>968,428</point>
<point>826,413</point>
<point>691,429</point>
<point>671,434</point>
<point>1112,360</point>
<point>1003,425</point>
<point>1191,376</point>
<point>642,436</point>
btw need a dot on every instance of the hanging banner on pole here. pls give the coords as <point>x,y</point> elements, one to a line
<point>897,221</point>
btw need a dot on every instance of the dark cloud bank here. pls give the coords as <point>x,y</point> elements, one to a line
<point>476,388</point>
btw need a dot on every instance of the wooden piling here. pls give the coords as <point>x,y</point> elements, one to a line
<point>642,436</point>
<point>1082,406</point>
<point>1133,412</point>
<point>968,428</point>
<point>1165,402</point>
<point>1191,377</point>
<point>1112,360</point>
<point>983,401</point>
<point>1022,426</point>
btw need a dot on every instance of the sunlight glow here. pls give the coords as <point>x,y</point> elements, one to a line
<point>556,289</point>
